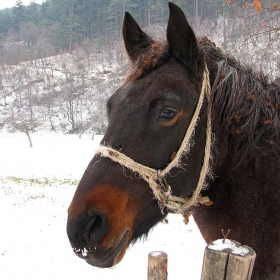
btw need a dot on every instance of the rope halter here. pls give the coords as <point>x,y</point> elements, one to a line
<point>156,178</point>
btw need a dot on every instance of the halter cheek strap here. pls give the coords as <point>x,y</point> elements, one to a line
<point>156,178</point>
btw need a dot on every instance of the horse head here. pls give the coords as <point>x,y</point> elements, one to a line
<point>149,115</point>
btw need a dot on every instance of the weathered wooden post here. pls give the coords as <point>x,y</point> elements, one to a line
<point>226,259</point>
<point>157,266</point>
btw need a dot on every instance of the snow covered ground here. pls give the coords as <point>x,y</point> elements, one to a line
<point>36,188</point>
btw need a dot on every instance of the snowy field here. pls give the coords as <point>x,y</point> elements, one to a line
<point>36,188</point>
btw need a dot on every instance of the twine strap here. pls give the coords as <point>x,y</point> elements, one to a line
<point>156,178</point>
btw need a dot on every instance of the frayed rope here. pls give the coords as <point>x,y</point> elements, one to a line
<point>175,204</point>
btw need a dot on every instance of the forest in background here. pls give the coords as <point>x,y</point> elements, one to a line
<point>61,60</point>
<point>55,26</point>
<point>71,21</point>
<point>62,24</point>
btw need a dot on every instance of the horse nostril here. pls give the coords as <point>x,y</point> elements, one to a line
<point>97,227</point>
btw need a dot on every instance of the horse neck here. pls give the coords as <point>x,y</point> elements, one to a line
<point>246,164</point>
<point>243,164</point>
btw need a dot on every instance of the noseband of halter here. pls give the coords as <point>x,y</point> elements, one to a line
<point>157,178</point>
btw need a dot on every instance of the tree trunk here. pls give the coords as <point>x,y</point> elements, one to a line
<point>29,138</point>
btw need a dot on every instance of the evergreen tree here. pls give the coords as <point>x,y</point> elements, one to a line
<point>5,23</point>
<point>33,13</point>
<point>18,15</point>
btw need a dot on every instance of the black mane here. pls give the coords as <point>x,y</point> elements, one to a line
<point>245,108</point>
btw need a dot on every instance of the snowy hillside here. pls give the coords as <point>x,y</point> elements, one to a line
<point>68,92</point>
<point>64,93</point>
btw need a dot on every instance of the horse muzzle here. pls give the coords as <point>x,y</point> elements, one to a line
<point>91,239</point>
<point>100,225</point>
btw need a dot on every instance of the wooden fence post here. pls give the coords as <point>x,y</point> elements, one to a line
<point>157,266</point>
<point>226,259</point>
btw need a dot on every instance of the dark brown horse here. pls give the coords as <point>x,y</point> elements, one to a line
<point>116,201</point>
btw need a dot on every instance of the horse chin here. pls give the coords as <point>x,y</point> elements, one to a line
<point>106,258</point>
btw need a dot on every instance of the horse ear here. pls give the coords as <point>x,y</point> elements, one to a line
<point>134,38</point>
<point>180,37</point>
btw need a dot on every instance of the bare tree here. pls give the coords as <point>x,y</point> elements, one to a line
<point>19,123</point>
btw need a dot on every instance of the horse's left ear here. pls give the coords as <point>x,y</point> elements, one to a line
<point>180,36</point>
<point>134,38</point>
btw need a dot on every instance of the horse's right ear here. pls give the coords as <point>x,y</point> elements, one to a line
<point>134,38</point>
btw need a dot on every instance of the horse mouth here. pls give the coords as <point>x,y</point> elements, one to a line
<point>106,258</point>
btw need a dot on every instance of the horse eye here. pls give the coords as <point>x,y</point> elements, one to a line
<point>167,114</point>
